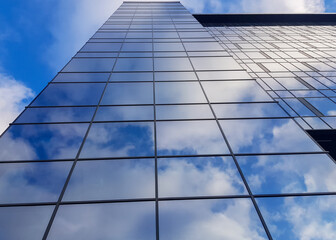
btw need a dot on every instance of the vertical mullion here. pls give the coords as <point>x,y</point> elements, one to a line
<point>157,229</point>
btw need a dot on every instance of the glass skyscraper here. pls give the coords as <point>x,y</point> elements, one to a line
<point>161,127</point>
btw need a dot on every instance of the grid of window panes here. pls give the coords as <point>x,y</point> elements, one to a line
<point>153,131</point>
<point>295,64</point>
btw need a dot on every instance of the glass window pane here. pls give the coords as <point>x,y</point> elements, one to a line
<point>128,113</point>
<point>131,47</point>
<point>174,76</point>
<point>179,92</point>
<point>289,173</point>
<point>89,65</point>
<point>190,138</point>
<point>82,77</point>
<point>139,34</point>
<point>168,47</point>
<point>27,223</point>
<point>310,217</point>
<point>267,136</point>
<point>210,219</point>
<point>70,94</point>
<point>215,176</point>
<point>42,142</point>
<point>134,64</point>
<point>183,112</point>
<point>298,107</point>
<point>324,105</point>
<point>105,34</point>
<point>128,93</point>
<point>246,110</point>
<point>142,76</point>
<point>172,64</point>
<point>56,114</point>
<point>291,83</point>
<point>118,221</point>
<point>215,63</point>
<point>235,91</point>
<point>119,140</point>
<point>194,35</point>
<point>202,46</point>
<point>160,34</point>
<point>223,75</point>
<point>32,182</point>
<point>113,179</point>
<point>101,47</point>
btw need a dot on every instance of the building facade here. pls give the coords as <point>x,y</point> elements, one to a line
<point>162,128</point>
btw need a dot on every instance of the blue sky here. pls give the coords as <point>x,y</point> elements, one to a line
<point>38,37</point>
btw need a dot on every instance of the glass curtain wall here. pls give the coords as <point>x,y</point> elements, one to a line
<point>154,131</point>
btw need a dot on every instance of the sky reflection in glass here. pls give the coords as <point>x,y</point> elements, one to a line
<point>267,136</point>
<point>289,173</point>
<point>111,179</point>
<point>215,176</point>
<point>190,137</point>
<point>210,219</point>
<point>117,221</point>
<point>42,142</point>
<point>27,223</point>
<point>119,140</point>
<point>310,217</point>
<point>32,182</point>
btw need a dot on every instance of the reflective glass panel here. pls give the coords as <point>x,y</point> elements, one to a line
<point>32,182</point>
<point>69,94</point>
<point>37,142</point>
<point>89,65</point>
<point>101,47</point>
<point>324,105</point>
<point>215,63</point>
<point>128,93</point>
<point>172,64</point>
<point>310,217</point>
<point>267,136</point>
<point>210,219</point>
<point>82,77</point>
<point>143,76</point>
<point>111,179</point>
<point>175,76</point>
<point>134,64</point>
<point>289,173</point>
<point>179,92</point>
<point>202,46</point>
<point>183,112</point>
<point>168,47</point>
<point>28,223</point>
<point>246,110</point>
<point>215,176</point>
<point>189,138</point>
<point>118,221</point>
<point>119,140</point>
<point>223,75</point>
<point>291,83</point>
<point>127,113</point>
<point>56,114</point>
<point>235,91</point>
<point>137,47</point>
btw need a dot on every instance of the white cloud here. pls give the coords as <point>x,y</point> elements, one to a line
<point>73,24</point>
<point>14,96</point>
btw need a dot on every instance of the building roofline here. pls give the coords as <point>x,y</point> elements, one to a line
<point>267,19</point>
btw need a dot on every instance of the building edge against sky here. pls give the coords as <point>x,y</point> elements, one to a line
<point>162,128</point>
